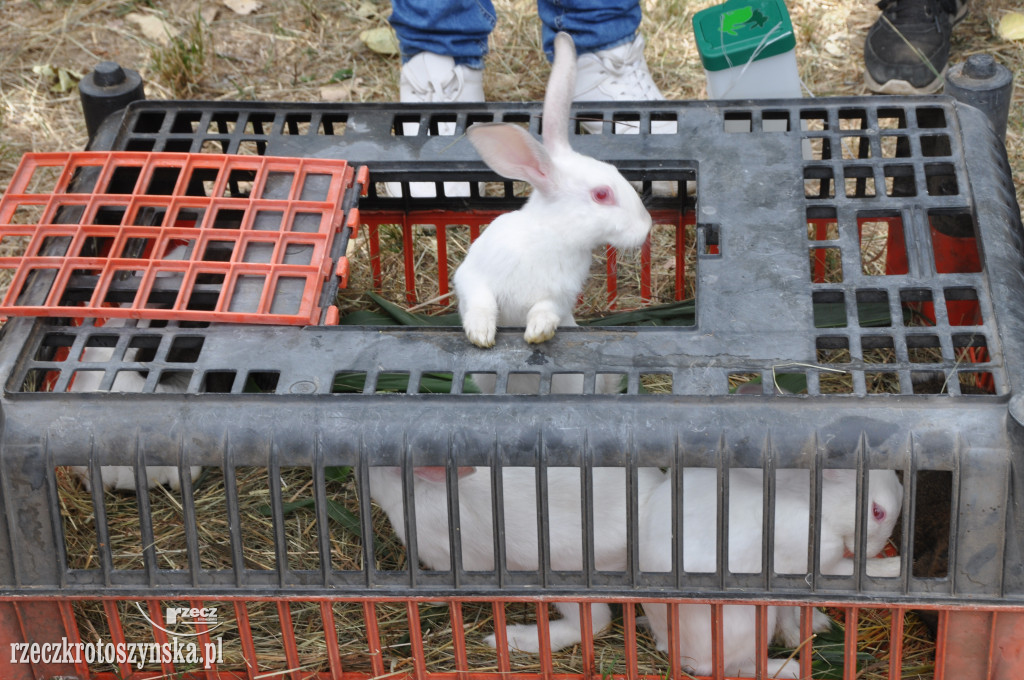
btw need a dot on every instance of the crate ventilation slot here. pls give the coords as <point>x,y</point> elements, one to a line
<point>188,237</point>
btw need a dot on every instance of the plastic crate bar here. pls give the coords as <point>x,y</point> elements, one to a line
<point>860,250</point>
<point>438,221</point>
<point>242,239</point>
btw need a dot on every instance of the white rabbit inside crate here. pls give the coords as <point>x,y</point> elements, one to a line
<point>657,507</point>
<point>530,265</point>
<point>394,618</point>
<point>100,360</point>
<point>409,257</point>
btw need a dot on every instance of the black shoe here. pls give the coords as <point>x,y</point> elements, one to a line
<point>891,66</point>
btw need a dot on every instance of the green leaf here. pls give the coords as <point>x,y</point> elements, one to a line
<point>869,314</point>
<point>365,317</point>
<point>286,508</point>
<point>828,655</point>
<point>393,315</point>
<point>406,318</point>
<point>348,520</point>
<point>349,382</point>
<point>381,40</point>
<point>441,383</point>
<point>340,75</point>
<point>796,383</point>
<point>430,383</point>
<point>791,382</point>
<point>682,313</point>
<point>392,383</point>
<point>829,315</point>
<point>339,473</point>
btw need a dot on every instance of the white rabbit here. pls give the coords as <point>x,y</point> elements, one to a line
<point>520,529</point>
<point>791,556</point>
<point>529,266</point>
<point>119,476</point>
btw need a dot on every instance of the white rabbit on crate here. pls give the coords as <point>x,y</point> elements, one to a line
<point>519,488</point>
<point>791,556</point>
<point>122,477</point>
<point>529,266</point>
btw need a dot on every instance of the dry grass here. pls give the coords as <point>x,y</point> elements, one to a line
<point>258,553</point>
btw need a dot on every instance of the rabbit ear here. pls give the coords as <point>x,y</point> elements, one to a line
<point>512,152</point>
<point>558,97</point>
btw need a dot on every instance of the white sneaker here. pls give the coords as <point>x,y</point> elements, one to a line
<point>621,74</point>
<point>431,78</point>
<point>434,78</point>
<point>618,74</point>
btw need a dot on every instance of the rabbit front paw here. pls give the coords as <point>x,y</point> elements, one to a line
<point>480,330</point>
<point>540,325</point>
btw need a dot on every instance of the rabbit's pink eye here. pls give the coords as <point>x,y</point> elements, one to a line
<point>878,512</point>
<point>603,195</point>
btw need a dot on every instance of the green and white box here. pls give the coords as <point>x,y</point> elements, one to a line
<point>748,50</point>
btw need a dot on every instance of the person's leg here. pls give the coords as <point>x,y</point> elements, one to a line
<point>610,64</point>
<point>906,50</point>
<point>443,44</point>
<point>451,28</point>
<point>594,24</point>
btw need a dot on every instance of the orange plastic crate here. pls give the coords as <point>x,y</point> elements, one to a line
<point>195,237</point>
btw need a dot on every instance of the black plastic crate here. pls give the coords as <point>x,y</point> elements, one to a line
<point>879,238</point>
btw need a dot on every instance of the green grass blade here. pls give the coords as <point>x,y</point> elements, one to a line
<point>338,473</point>
<point>287,508</point>
<point>347,519</point>
<point>430,383</point>
<point>365,317</point>
<point>682,313</point>
<point>404,318</point>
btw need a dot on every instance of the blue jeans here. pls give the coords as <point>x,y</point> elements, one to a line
<point>460,28</point>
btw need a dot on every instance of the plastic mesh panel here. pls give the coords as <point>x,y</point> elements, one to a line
<point>173,236</point>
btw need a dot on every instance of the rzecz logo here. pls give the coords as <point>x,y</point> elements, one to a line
<point>176,615</point>
<point>194,620</point>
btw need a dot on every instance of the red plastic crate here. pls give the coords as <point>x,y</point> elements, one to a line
<point>957,655</point>
<point>440,222</point>
<point>196,237</point>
